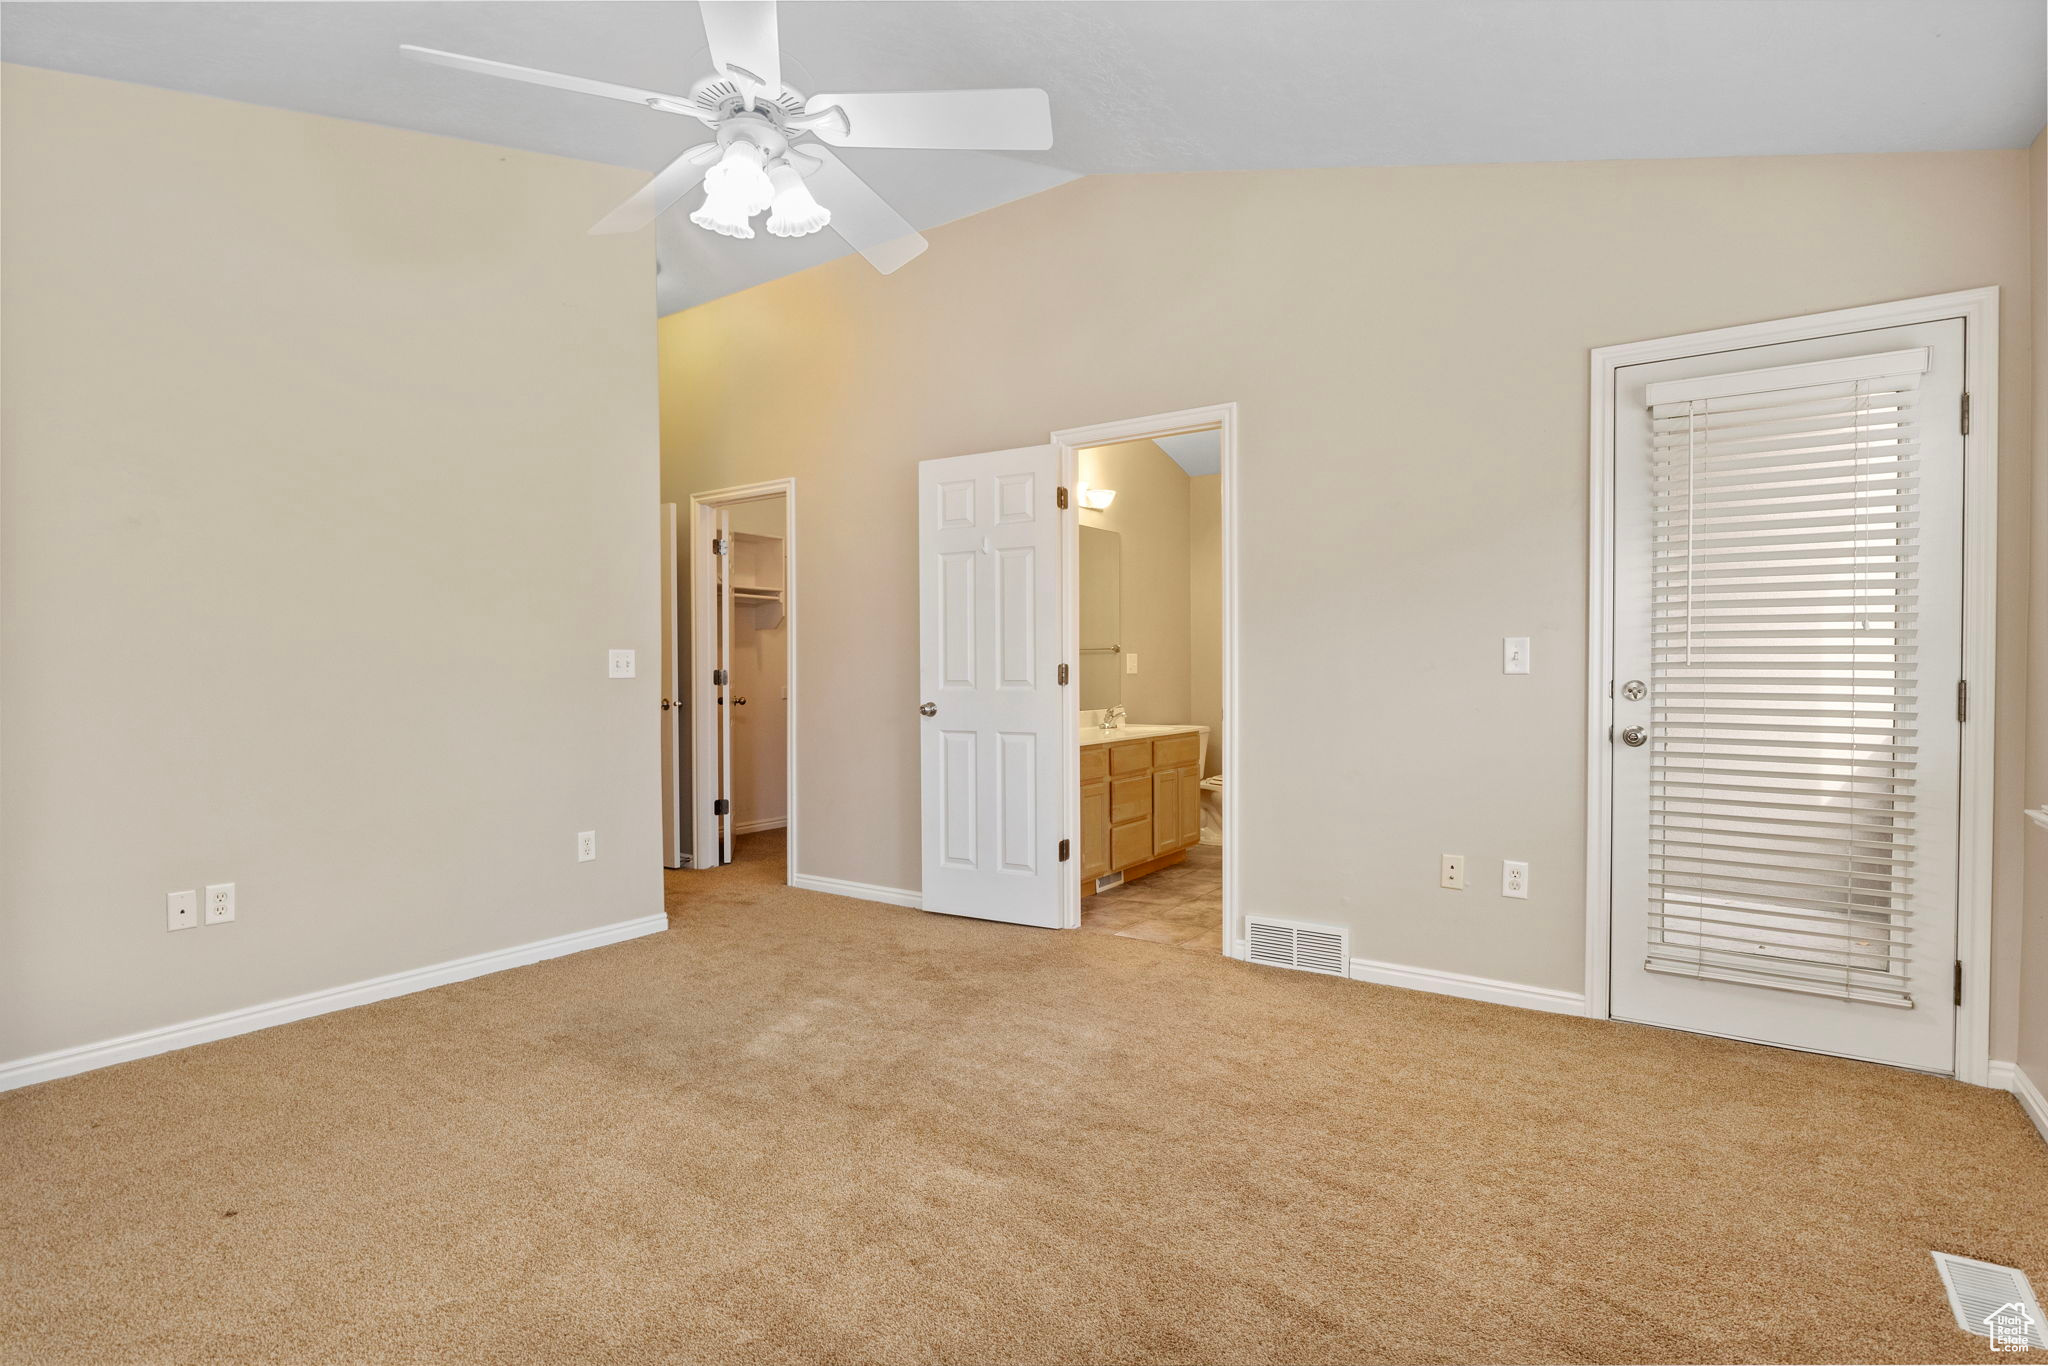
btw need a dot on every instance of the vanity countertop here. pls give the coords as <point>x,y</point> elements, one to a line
<point>1096,735</point>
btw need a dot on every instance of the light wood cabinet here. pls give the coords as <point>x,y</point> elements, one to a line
<point>1094,829</point>
<point>1141,806</point>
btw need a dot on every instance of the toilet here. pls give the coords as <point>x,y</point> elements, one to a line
<point>1212,810</point>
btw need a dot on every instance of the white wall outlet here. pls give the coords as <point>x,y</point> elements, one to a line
<point>220,902</point>
<point>181,910</point>
<point>586,846</point>
<point>622,664</point>
<point>1130,664</point>
<point>1514,654</point>
<point>1454,872</point>
<point>1514,879</point>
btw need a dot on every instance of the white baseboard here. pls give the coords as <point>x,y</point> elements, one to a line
<point>2007,1076</point>
<point>764,823</point>
<point>1471,988</point>
<point>860,891</point>
<point>69,1061</point>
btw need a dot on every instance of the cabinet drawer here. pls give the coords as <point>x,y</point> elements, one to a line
<point>1130,844</point>
<point>1129,799</point>
<point>1176,750</point>
<point>1132,756</point>
<point>1094,763</point>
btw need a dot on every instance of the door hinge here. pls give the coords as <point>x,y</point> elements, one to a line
<point>718,545</point>
<point>1061,497</point>
<point>722,807</point>
<point>1962,699</point>
<point>1966,412</point>
<point>1063,675</point>
<point>718,678</point>
<point>1959,981</point>
<point>1066,850</point>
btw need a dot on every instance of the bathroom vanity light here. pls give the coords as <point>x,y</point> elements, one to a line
<point>1095,500</point>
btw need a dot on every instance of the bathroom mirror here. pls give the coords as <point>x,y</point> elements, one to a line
<point>1102,619</point>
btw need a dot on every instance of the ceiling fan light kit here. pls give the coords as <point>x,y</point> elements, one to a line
<point>760,160</point>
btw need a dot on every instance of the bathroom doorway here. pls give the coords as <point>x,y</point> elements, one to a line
<point>742,758</point>
<point>1151,642</point>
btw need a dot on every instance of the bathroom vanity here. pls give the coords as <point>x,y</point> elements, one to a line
<point>1141,799</point>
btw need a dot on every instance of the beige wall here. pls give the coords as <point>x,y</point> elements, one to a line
<point>1205,612</point>
<point>1412,388</point>
<point>1150,516</point>
<point>2032,1051</point>
<point>330,475</point>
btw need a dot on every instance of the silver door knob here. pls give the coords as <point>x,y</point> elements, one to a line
<point>928,709</point>
<point>1634,736</point>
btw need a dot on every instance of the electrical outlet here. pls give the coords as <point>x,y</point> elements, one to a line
<point>1514,654</point>
<point>586,846</point>
<point>1454,872</point>
<point>181,910</point>
<point>220,902</point>
<point>1514,879</point>
<point>622,664</point>
<point>1130,664</point>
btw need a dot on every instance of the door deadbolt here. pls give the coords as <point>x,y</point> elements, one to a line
<point>1634,690</point>
<point>928,709</point>
<point>1634,736</point>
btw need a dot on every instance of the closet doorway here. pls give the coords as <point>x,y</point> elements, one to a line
<point>741,676</point>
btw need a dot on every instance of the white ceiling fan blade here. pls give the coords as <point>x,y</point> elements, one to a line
<point>745,40</point>
<point>958,120</point>
<point>485,67</point>
<point>670,183</point>
<point>860,215</point>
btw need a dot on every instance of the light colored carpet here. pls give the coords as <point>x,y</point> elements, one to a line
<point>803,1129</point>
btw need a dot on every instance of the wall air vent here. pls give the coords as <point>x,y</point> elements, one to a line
<point>1292,944</point>
<point>1992,1301</point>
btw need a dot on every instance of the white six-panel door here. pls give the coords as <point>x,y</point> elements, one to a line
<point>991,702</point>
<point>1788,640</point>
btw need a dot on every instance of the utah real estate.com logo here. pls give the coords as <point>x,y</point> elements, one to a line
<point>2010,1328</point>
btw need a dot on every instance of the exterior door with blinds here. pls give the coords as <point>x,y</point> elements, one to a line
<point>1788,649</point>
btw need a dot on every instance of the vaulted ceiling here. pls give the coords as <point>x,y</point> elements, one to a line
<point>1136,85</point>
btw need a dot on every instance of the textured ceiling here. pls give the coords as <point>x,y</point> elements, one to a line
<point>1137,85</point>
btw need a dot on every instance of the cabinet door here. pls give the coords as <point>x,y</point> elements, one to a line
<point>1190,807</point>
<point>1094,830</point>
<point>1166,810</point>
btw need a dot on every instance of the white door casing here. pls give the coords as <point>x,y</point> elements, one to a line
<point>1790,822</point>
<point>722,565</point>
<point>671,700</point>
<point>988,669</point>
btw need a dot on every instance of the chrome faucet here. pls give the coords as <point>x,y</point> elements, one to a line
<point>1113,717</point>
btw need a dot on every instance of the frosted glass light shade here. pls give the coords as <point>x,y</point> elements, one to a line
<point>795,212</point>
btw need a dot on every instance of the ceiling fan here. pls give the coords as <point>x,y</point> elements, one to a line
<point>771,146</point>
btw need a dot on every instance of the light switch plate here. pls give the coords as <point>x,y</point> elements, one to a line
<point>1514,654</point>
<point>1514,879</point>
<point>1130,664</point>
<point>181,910</point>
<point>622,663</point>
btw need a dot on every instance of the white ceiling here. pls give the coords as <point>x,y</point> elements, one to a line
<point>1137,85</point>
<point>1198,453</point>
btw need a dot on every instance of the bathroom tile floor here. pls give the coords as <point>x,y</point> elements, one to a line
<point>1181,906</point>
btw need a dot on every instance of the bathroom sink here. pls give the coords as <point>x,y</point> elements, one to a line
<point>1094,735</point>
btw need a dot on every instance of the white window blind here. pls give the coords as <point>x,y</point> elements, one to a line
<point>1785,692</point>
